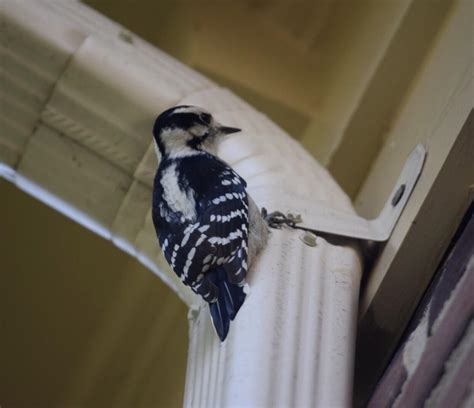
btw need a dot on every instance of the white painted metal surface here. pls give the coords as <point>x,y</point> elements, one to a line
<point>292,343</point>
<point>321,218</point>
<point>81,99</point>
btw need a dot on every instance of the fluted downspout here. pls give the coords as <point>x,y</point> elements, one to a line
<point>84,96</point>
<point>292,343</point>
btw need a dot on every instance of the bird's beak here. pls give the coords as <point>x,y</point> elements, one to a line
<point>226,130</point>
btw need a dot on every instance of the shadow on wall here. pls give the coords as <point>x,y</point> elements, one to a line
<point>82,323</point>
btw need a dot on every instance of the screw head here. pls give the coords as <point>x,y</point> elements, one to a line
<point>126,36</point>
<point>309,238</point>
<point>398,195</point>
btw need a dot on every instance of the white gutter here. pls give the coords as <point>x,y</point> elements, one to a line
<point>80,96</point>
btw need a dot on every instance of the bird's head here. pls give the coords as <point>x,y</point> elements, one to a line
<point>184,130</point>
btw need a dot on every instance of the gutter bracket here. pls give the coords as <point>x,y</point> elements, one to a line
<point>342,224</point>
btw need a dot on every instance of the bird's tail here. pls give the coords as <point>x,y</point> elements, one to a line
<point>229,300</point>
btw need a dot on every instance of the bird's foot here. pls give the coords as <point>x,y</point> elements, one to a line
<point>276,219</point>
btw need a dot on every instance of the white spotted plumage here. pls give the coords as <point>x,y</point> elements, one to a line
<point>209,228</point>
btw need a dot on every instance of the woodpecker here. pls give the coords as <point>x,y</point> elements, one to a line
<point>209,228</point>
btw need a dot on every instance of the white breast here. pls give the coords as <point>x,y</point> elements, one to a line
<point>178,200</point>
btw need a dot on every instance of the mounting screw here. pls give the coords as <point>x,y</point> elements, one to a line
<point>398,195</point>
<point>309,238</point>
<point>126,36</point>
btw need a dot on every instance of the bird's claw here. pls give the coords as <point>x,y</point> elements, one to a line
<point>276,219</point>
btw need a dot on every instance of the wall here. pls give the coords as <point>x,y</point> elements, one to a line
<point>82,323</point>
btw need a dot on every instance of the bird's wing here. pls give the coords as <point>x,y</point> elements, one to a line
<point>226,222</point>
<point>217,238</point>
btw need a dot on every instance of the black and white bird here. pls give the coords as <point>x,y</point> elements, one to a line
<point>209,229</point>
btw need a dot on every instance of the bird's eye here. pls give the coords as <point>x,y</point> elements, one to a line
<point>205,118</point>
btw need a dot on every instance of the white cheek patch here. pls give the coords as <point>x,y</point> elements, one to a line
<point>175,142</point>
<point>198,130</point>
<point>174,139</point>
